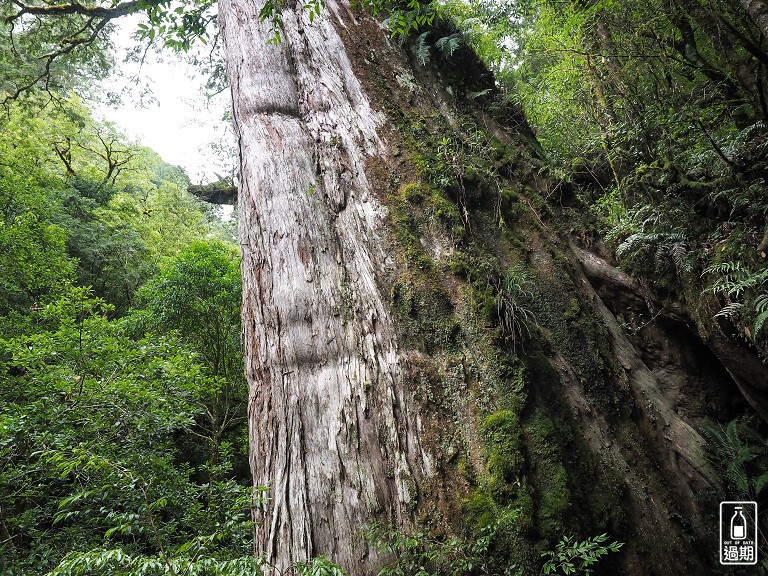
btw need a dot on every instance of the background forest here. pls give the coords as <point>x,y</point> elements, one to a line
<point>122,396</point>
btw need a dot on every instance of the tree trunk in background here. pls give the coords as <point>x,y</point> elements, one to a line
<point>355,415</point>
<point>758,11</point>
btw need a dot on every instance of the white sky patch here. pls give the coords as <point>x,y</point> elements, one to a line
<point>171,114</point>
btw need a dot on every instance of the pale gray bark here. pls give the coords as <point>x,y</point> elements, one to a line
<point>758,11</point>
<point>330,431</point>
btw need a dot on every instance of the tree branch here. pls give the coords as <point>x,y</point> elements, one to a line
<point>221,192</point>
<point>105,12</point>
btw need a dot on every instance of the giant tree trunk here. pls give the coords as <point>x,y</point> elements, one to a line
<point>330,431</point>
<point>371,370</point>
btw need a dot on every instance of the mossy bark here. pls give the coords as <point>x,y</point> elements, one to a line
<point>421,343</point>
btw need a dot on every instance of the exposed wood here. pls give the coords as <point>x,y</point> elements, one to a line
<point>330,429</point>
<point>687,466</point>
<point>745,367</point>
<point>597,268</point>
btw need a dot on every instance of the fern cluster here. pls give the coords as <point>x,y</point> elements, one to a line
<point>741,454</point>
<point>745,292</point>
<point>446,45</point>
<point>644,234</point>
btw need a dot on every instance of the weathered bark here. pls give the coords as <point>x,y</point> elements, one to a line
<point>758,11</point>
<point>331,433</point>
<point>351,418</point>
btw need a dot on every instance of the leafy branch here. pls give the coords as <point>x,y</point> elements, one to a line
<point>572,556</point>
<point>739,286</point>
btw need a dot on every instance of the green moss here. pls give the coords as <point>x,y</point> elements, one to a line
<point>424,203</point>
<point>547,474</point>
<point>501,435</point>
<point>460,264</point>
<point>573,310</point>
<point>481,509</point>
<point>409,485</point>
<point>510,526</point>
<point>419,297</point>
<point>412,192</point>
<point>425,313</point>
<point>409,227</point>
<point>480,270</point>
<point>448,213</point>
<point>512,375</point>
<point>522,487</point>
<point>578,338</point>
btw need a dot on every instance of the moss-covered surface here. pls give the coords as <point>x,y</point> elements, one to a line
<point>452,296</point>
<point>472,245</point>
<point>457,234</point>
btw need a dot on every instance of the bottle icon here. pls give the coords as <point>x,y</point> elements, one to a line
<point>738,525</point>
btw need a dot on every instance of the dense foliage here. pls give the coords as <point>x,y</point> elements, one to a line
<point>119,350</point>
<point>655,111</point>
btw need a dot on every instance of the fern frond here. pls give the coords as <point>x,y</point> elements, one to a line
<point>748,132</point>
<point>628,244</point>
<point>722,268</point>
<point>472,28</point>
<point>761,309</point>
<point>724,440</point>
<point>730,311</point>
<point>473,95</point>
<point>738,476</point>
<point>422,48</point>
<point>679,252</point>
<point>449,44</point>
<point>635,242</point>
<point>760,483</point>
<point>739,451</point>
<point>471,22</point>
<point>747,281</point>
